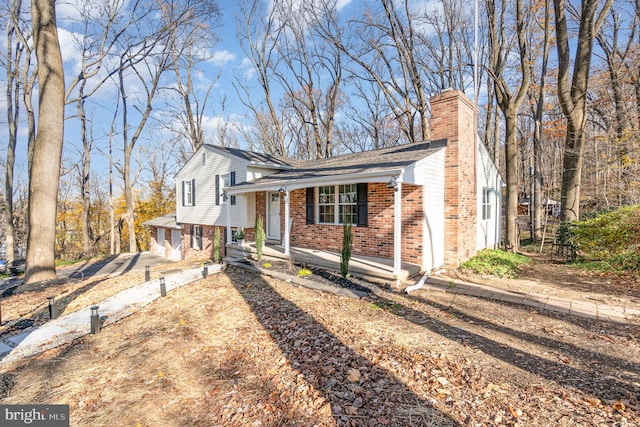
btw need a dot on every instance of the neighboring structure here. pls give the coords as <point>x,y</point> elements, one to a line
<point>433,204</point>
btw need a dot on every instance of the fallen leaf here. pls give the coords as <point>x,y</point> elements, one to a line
<point>619,405</point>
<point>517,413</point>
<point>443,381</point>
<point>353,375</point>
<point>382,420</point>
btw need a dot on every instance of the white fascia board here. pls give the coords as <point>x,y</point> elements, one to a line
<point>270,165</point>
<point>296,184</point>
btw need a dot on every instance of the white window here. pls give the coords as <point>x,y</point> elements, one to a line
<point>196,237</point>
<point>225,183</point>
<point>188,193</point>
<point>342,209</point>
<point>486,203</point>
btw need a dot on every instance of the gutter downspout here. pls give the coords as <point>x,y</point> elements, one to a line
<point>229,236</point>
<point>418,285</point>
<point>287,224</point>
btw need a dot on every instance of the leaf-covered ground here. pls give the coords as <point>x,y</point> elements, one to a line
<point>239,349</point>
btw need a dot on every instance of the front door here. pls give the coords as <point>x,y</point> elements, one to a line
<point>176,245</point>
<point>273,216</point>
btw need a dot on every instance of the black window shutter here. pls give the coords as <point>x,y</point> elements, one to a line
<point>191,236</point>
<point>217,190</point>
<point>363,220</point>
<point>182,193</point>
<point>310,206</point>
<point>232,181</point>
<point>193,192</point>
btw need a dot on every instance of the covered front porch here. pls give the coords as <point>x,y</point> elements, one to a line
<point>369,268</point>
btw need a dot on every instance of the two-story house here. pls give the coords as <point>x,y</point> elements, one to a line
<point>432,204</point>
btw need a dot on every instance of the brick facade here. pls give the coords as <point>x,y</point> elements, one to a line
<point>452,118</point>
<point>374,240</point>
<point>188,252</point>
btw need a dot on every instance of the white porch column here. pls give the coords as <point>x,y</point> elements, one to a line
<point>229,237</point>
<point>287,224</point>
<point>397,229</point>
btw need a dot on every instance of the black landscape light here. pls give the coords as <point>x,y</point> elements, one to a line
<point>95,320</point>
<point>163,288</point>
<point>53,312</point>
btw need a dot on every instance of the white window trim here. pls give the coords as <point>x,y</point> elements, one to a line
<point>336,204</point>
<point>223,187</point>
<point>486,206</point>
<point>194,239</point>
<point>188,193</point>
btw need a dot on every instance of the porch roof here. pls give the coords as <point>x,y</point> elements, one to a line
<point>367,166</point>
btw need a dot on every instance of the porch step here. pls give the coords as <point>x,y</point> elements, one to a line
<point>373,269</point>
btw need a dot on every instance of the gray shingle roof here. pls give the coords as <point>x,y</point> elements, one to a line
<point>380,160</point>
<point>256,157</point>
<point>164,221</point>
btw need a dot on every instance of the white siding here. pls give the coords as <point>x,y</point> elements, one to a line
<point>488,231</point>
<point>205,210</point>
<point>433,208</point>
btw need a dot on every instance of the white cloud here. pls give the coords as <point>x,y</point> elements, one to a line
<point>222,57</point>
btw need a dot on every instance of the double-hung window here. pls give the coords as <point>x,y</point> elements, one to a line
<point>189,193</point>
<point>225,181</point>
<point>196,237</point>
<point>486,203</point>
<point>338,204</point>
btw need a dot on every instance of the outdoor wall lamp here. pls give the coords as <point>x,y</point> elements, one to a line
<point>224,195</point>
<point>393,183</point>
<point>282,189</point>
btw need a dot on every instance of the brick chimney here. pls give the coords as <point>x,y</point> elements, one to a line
<point>452,118</point>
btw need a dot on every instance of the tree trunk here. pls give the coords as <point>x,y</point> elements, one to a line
<point>536,200</point>
<point>511,164</point>
<point>13,114</point>
<point>47,150</point>
<point>572,94</point>
<point>572,172</point>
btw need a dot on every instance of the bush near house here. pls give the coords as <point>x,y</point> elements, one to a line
<point>610,241</point>
<point>496,262</point>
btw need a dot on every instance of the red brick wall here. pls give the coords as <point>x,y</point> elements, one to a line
<point>452,118</point>
<point>154,245</point>
<point>374,240</point>
<point>188,253</point>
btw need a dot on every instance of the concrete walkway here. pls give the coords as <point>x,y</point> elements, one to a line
<point>74,325</point>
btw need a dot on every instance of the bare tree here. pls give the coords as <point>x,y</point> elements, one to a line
<point>157,42</point>
<point>508,101</point>
<point>47,152</point>
<point>384,45</point>
<point>572,93</point>
<point>538,99</point>
<point>259,30</point>
<point>19,88</point>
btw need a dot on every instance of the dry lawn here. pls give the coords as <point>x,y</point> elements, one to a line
<point>238,349</point>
